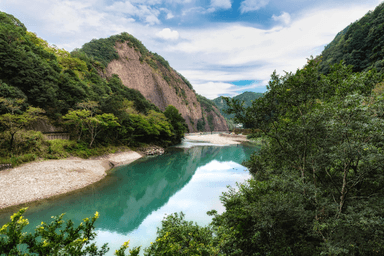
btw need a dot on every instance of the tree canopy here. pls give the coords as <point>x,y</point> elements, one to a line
<point>360,44</point>
<point>318,180</point>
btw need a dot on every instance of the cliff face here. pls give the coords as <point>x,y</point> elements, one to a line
<point>162,86</point>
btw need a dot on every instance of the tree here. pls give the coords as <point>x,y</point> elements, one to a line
<point>76,120</point>
<point>84,120</point>
<point>320,171</point>
<point>100,123</point>
<point>177,122</point>
<point>87,120</point>
<point>180,237</point>
<point>15,120</point>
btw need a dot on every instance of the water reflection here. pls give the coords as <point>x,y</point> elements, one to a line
<point>133,199</point>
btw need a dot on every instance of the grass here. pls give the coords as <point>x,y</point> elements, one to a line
<point>82,150</point>
<point>31,146</point>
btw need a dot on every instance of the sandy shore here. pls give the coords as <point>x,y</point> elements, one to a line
<point>39,180</point>
<point>219,139</point>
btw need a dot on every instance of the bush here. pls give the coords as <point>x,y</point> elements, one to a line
<point>24,142</point>
<point>56,238</point>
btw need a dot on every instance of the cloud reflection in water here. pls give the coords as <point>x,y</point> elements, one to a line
<point>200,195</point>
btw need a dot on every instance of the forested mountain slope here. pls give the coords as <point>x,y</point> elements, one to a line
<point>152,75</point>
<point>247,97</point>
<point>71,90</point>
<point>95,93</point>
<point>361,44</point>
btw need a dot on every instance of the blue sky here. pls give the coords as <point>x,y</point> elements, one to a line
<point>223,47</point>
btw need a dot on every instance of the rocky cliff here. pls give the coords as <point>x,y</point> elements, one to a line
<point>162,86</point>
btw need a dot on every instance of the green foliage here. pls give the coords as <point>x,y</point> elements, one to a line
<point>210,122</point>
<point>16,160</point>
<point>360,44</point>
<point>86,120</point>
<point>201,124</point>
<point>177,121</point>
<point>246,97</point>
<point>26,66</point>
<point>185,81</point>
<point>103,51</point>
<point>161,60</point>
<point>317,181</point>
<point>10,92</point>
<point>56,238</point>
<point>205,103</point>
<point>269,217</point>
<point>231,125</point>
<point>180,237</point>
<point>14,120</point>
<point>153,128</point>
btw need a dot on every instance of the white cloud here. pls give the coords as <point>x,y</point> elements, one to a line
<point>283,18</point>
<point>168,12</point>
<point>146,2</point>
<point>168,34</point>
<point>212,90</point>
<point>252,5</point>
<point>144,12</point>
<point>169,16</point>
<point>210,56</point>
<point>259,51</point>
<point>193,10</point>
<point>224,4</point>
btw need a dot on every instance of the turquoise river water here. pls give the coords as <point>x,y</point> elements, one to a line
<point>133,199</point>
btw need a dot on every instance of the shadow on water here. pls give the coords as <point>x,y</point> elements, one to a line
<point>130,193</point>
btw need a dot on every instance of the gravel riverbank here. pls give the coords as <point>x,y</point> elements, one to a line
<point>219,139</point>
<point>39,180</point>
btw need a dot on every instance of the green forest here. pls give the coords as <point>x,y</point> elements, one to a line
<point>317,185</point>
<point>40,82</point>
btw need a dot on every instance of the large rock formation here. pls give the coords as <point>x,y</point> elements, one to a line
<point>162,86</point>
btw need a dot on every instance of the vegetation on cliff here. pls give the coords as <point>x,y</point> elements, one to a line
<point>104,50</point>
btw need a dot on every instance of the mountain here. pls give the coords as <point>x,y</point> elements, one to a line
<point>152,76</point>
<point>247,97</point>
<point>360,44</point>
<point>116,75</point>
<point>111,92</point>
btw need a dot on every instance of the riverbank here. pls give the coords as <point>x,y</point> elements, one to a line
<point>219,139</point>
<point>43,179</point>
<point>39,180</point>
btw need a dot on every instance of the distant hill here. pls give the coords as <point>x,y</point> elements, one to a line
<point>247,97</point>
<point>360,44</point>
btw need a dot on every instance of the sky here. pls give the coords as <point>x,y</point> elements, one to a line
<point>223,47</point>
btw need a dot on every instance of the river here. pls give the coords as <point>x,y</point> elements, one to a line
<point>133,199</point>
